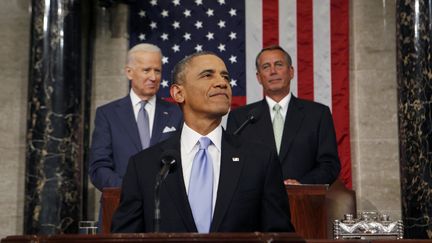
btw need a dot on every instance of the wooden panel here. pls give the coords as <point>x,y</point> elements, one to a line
<point>110,203</point>
<point>308,210</point>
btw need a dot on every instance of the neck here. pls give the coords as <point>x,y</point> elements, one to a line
<point>277,96</point>
<point>202,126</point>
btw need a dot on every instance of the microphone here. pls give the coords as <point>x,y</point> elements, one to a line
<point>169,159</point>
<point>252,117</point>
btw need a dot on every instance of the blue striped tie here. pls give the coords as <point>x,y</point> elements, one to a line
<point>201,187</point>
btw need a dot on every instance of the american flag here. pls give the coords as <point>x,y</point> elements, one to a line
<point>314,32</point>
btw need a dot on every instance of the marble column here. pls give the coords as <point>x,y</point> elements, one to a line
<point>414,77</point>
<point>54,130</point>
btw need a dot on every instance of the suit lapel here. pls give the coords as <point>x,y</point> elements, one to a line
<point>160,120</point>
<point>125,114</point>
<point>264,122</point>
<point>175,186</point>
<point>293,121</point>
<point>229,176</point>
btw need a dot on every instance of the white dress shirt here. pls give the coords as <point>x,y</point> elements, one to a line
<point>150,107</point>
<point>189,147</point>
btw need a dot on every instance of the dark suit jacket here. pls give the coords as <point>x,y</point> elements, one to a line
<point>308,150</point>
<point>116,138</point>
<point>251,196</point>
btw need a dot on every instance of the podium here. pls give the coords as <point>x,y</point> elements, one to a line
<point>312,208</point>
<point>159,237</point>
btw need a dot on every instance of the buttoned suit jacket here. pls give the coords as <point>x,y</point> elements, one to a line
<point>308,151</point>
<point>116,138</point>
<point>250,197</point>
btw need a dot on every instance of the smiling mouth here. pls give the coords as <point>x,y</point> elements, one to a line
<point>219,94</point>
<point>275,80</point>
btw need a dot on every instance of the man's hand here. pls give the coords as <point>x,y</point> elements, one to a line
<point>291,182</point>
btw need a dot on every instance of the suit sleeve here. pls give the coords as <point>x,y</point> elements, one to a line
<point>101,168</point>
<point>275,214</point>
<point>327,166</point>
<point>128,217</point>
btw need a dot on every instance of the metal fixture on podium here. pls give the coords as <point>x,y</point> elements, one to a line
<point>370,225</point>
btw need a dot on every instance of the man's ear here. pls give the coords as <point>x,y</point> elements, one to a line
<point>128,71</point>
<point>177,93</point>
<point>258,77</point>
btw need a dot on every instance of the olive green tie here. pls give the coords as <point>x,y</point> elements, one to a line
<point>278,123</point>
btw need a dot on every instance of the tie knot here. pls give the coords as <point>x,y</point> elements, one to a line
<point>143,103</point>
<point>277,108</point>
<point>204,142</point>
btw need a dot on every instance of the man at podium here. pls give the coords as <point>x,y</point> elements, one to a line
<point>215,182</point>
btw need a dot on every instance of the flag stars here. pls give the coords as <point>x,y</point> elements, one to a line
<point>142,13</point>
<point>221,2</point>
<point>164,13</point>
<point>164,36</point>
<point>187,13</point>
<point>210,12</point>
<point>210,36</point>
<point>232,12</point>
<point>221,24</point>
<point>176,2</point>
<point>164,60</point>
<point>153,2</point>
<point>198,48</point>
<point>142,36</point>
<point>233,59</point>
<point>221,47</point>
<point>153,25</point>
<point>198,2</point>
<point>176,25</point>
<point>176,48</point>
<point>198,24</point>
<point>187,36</point>
<point>164,83</point>
<point>233,82</point>
<point>233,35</point>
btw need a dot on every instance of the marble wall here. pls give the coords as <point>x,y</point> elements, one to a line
<point>374,138</point>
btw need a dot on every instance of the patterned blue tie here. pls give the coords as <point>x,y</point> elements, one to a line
<point>201,187</point>
<point>143,125</point>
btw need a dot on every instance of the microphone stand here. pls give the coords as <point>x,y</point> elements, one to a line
<point>250,119</point>
<point>159,179</point>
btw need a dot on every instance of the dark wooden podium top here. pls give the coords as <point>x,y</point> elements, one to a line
<point>158,237</point>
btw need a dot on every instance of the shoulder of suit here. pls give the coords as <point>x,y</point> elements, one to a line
<point>115,103</point>
<point>246,108</point>
<point>308,104</point>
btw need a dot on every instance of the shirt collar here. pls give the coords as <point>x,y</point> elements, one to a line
<point>283,103</point>
<point>189,137</point>
<point>136,100</point>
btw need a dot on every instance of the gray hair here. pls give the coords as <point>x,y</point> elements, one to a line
<point>180,67</point>
<point>142,47</point>
<point>272,48</point>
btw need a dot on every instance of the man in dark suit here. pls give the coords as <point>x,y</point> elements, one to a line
<point>244,190</point>
<point>302,131</point>
<point>116,136</point>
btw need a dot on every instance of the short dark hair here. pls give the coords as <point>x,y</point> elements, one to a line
<point>272,48</point>
<point>178,70</point>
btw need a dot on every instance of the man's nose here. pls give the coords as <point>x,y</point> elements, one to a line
<point>221,82</point>
<point>152,75</point>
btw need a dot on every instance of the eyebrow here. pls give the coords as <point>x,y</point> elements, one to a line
<point>206,71</point>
